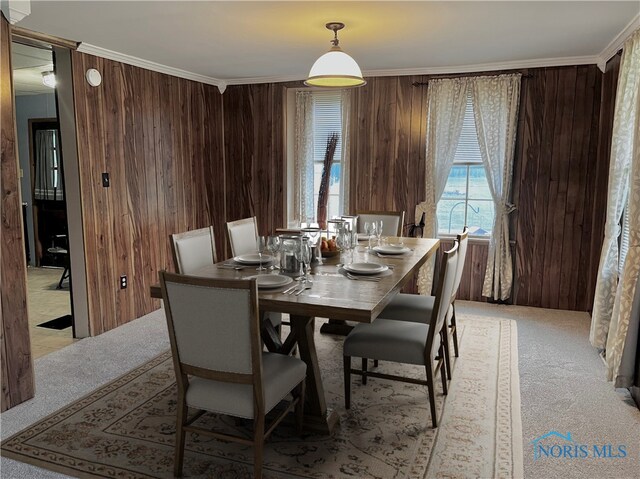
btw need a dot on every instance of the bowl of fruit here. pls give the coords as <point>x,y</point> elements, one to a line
<point>328,247</point>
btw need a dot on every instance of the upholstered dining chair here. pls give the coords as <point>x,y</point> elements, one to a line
<point>243,239</point>
<point>417,308</point>
<point>220,367</point>
<point>243,236</point>
<point>405,342</point>
<point>392,221</point>
<point>193,250</point>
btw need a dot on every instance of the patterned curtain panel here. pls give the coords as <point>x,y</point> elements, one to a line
<point>614,294</point>
<point>495,102</point>
<point>446,102</point>
<point>303,158</point>
<point>47,171</point>
<point>625,153</point>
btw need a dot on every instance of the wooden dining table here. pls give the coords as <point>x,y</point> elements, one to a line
<point>332,295</point>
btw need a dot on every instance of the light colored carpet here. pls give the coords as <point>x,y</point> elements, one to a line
<point>126,428</point>
<point>564,389</point>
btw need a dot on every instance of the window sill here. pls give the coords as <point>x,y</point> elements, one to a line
<point>472,239</point>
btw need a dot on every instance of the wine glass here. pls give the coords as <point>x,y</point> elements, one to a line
<point>379,230</point>
<point>261,245</point>
<point>273,245</point>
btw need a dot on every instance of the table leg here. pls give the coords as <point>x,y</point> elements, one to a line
<point>316,415</point>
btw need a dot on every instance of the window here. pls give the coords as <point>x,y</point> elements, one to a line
<point>466,199</point>
<point>312,118</point>
<point>327,120</point>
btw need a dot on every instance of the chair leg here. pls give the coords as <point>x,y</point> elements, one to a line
<point>347,382</point>
<point>454,327</point>
<point>432,394</point>
<point>365,366</point>
<point>447,353</point>
<point>375,363</point>
<point>300,407</point>
<point>180,437</point>
<point>442,368</point>
<point>258,446</point>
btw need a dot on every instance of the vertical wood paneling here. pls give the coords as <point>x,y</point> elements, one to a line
<point>255,154</point>
<point>154,134</point>
<point>557,194</point>
<point>17,365</point>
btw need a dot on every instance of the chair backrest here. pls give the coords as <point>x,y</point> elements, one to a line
<point>243,235</point>
<point>213,327</point>
<point>392,221</point>
<point>193,250</point>
<point>463,242</point>
<point>442,303</point>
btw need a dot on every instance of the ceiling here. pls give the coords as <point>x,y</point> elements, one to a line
<point>248,41</point>
<point>28,63</point>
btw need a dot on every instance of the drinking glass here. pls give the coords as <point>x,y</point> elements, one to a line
<point>303,255</point>
<point>379,230</point>
<point>261,245</point>
<point>369,229</point>
<point>344,240</point>
<point>273,245</point>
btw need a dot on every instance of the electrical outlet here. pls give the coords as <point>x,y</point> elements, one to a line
<point>123,281</point>
<point>105,180</point>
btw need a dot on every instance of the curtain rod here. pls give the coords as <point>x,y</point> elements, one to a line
<point>424,83</point>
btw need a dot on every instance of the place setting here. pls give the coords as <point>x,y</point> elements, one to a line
<point>365,271</point>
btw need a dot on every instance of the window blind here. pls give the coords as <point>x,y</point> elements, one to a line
<point>468,150</point>
<point>327,119</point>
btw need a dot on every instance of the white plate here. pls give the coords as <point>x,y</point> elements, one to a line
<point>391,249</point>
<point>269,281</point>
<point>253,258</point>
<point>365,268</point>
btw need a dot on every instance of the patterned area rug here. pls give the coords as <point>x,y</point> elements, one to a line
<point>126,428</point>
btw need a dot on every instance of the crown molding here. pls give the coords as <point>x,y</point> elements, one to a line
<point>16,10</point>
<point>149,65</point>
<point>617,43</point>
<point>480,67</point>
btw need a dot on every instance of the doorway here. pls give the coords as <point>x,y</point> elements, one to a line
<point>44,200</point>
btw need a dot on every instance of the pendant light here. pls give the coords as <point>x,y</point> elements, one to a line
<point>335,69</point>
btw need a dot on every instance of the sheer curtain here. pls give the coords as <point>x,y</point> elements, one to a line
<point>48,175</point>
<point>616,302</point>
<point>346,119</point>
<point>495,102</point>
<point>446,102</point>
<point>303,158</point>
<point>612,302</point>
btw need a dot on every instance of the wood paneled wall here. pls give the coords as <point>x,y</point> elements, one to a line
<point>16,360</point>
<point>255,153</point>
<point>560,185</point>
<point>560,175</point>
<point>160,139</point>
<point>388,145</point>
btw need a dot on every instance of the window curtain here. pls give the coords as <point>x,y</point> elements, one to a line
<point>613,298</point>
<point>495,102</point>
<point>613,309</point>
<point>346,126</point>
<point>446,102</point>
<point>303,158</point>
<point>48,177</point>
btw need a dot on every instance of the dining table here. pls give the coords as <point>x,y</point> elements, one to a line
<point>332,295</point>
